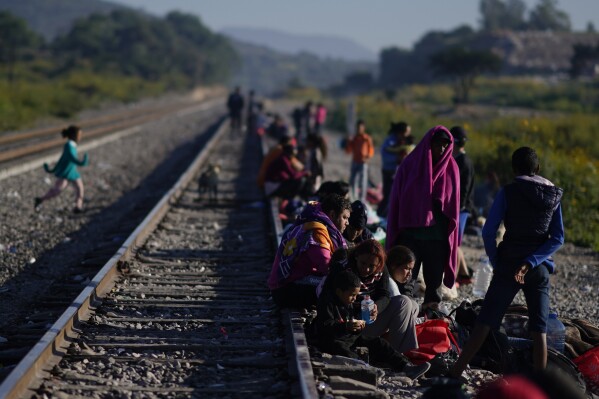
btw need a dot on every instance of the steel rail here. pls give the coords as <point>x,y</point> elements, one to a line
<point>53,345</point>
<point>298,346</point>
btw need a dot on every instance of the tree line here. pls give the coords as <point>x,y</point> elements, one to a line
<point>123,42</point>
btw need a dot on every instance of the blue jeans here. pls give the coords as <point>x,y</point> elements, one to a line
<point>463,220</point>
<point>503,289</point>
<point>358,181</point>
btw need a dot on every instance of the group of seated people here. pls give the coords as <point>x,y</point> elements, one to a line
<point>328,259</point>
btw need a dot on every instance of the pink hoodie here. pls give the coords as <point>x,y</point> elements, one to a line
<point>416,186</point>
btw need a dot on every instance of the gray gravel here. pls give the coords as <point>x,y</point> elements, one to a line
<point>36,246</point>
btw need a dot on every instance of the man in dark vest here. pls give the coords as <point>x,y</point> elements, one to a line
<point>532,214</point>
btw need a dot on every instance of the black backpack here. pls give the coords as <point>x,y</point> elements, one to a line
<point>557,364</point>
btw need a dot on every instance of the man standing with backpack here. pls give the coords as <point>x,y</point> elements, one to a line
<point>531,212</point>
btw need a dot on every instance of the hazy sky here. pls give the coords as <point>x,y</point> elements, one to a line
<point>372,23</point>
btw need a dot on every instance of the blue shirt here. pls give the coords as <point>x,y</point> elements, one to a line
<point>389,159</point>
<point>542,254</point>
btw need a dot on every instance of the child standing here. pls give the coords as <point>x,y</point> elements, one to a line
<point>66,171</point>
<point>362,150</point>
<point>531,212</point>
<point>339,333</point>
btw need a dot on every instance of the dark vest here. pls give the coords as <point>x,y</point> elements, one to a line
<point>529,209</point>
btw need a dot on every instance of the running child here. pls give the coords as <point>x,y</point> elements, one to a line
<point>66,171</point>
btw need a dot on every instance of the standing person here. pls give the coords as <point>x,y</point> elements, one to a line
<point>320,117</point>
<point>66,171</point>
<point>298,120</point>
<point>305,251</point>
<point>316,154</point>
<point>424,211</point>
<point>362,150</point>
<point>339,333</point>
<point>466,168</point>
<point>532,214</point>
<point>307,123</point>
<point>235,104</point>
<point>391,150</point>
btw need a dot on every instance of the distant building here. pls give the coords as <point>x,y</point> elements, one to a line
<point>536,52</point>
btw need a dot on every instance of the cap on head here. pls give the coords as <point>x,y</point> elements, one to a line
<point>358,216</point>
<point>459,135</point>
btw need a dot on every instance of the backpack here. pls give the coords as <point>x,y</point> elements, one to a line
<point>588,364</point>
<point>434,338</point>
<point>557,363</point>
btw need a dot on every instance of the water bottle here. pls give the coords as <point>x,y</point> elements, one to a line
<point>482,277</point>
<point>556,333</point>
<point>367,305</point>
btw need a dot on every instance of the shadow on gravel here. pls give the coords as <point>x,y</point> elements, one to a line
<point>89,249</point>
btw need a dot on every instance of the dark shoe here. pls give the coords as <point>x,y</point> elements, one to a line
<point>77,210</point>
<point>37,201</point>
<point>416,371</point>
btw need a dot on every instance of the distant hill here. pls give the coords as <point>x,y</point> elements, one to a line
<point>320,45</point>
<point>263,69</point>
<point>51,18</point>
<point>268,71</point>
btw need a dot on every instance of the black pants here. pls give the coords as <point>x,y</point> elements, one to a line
<point>295,296</point>
<point>378,350</point>
<point>432,255</point>
<point>387,184</point>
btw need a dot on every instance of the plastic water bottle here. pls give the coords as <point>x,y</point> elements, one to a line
<point>367,305</point>
<point>556,333</point>
<point>482,277</point>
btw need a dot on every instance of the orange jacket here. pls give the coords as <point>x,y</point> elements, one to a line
<point>361,148</point>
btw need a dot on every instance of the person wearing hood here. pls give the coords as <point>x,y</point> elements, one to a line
<point>424,210</point>
<point>531,211</point>
<point>305,251</point>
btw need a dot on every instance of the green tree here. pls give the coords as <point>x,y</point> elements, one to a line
<point>546,16</point>
<point>464,66</point>
<point>15,40</point>
<point>134,44</point>
<point>498,14</point>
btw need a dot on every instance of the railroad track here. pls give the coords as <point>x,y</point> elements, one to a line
<point>23,151</point>
<point>182,309</point>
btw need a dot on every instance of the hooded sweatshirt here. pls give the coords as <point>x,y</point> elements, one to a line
<point>417,187</point>
<point>306,248</point>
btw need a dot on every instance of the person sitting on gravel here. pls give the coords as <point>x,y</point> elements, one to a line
<point>531,212</point>
<point>282,179</point>
<point>356,231</point>
<point>274,153</point>
<point>338,333</point>
<point>395,316</point>
<point>66,171</point>
<point>303,256</point>
<point>338,187</point>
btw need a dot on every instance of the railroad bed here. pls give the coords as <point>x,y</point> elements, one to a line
<point>190,313</point>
